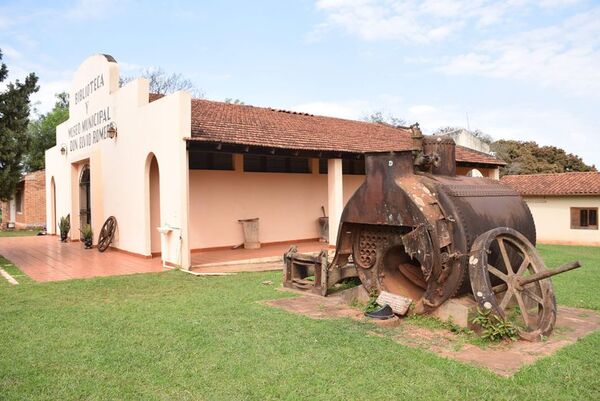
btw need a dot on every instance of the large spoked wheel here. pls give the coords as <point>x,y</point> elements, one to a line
<point>107,234</point>
<point>501,261</point>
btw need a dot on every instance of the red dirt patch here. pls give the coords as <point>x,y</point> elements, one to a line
<point>504,359</point>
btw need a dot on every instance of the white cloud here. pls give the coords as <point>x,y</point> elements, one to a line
<point>51,81</point>
<point>371,20</point>
<point>558,3</point>
<point>93,9</point>
<point>418,21</point>
<point>45,98</point>
<point>4,22</point>
<point>352,110</point>
<point>130,68</point>
<point>422,109</point>
<point>10,52</point>
<point>25,41</point>
<point>554,127</point>
<point>565,56</point>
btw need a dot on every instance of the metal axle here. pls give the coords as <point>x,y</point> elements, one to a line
<point>522,281</point>
<point>549,273</point>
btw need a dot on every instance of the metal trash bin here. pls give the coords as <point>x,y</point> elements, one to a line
<point>250,227</point>
<point>324,229</point>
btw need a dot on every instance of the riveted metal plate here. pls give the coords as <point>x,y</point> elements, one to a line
<point>480,190</point>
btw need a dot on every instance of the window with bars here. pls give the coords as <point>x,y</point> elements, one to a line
<point>585,218</point>
<point>349,167</point>
<point>210,161</point>
<point>19,201</point>
<point>275,164</point>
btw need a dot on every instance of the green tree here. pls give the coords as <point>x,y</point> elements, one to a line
<point>42,133</point>
<point>14,118</point>
<point>530,158</point>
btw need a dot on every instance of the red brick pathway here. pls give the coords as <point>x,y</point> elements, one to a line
<point>45,258</point>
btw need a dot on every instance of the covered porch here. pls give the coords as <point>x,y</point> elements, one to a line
<point>45,258</point>
<point>283,168</point>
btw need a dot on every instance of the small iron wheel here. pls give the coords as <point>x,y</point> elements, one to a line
<point>107,233</point>
<point>500,262</point>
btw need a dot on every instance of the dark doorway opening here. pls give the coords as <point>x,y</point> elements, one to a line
<point>85,211</point>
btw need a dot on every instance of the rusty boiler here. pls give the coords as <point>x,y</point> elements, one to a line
<point>416,229</point>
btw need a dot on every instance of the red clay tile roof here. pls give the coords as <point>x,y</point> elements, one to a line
<point>474,156</point>
<point>257,126</point>
<point>154,96</point>
<point>555,184</point>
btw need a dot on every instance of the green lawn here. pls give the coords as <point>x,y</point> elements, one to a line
<point>171,336</point>
<point>19,233</point>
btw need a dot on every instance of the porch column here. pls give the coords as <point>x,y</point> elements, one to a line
<point>335,197</point>
<point>495,173</point>
<point>238,162</point>
<point>186,251</point>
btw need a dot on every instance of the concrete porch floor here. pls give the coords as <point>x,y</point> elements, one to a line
<point>267,257</point>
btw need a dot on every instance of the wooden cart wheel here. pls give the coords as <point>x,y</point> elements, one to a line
<point>107,234</point>
<point>501,261</point>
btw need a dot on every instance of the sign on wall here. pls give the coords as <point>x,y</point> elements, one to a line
<point>90,108</point>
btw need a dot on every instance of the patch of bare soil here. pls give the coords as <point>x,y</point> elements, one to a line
<point>317,307</point>
<point>507,358</point>
<point>504,358</point>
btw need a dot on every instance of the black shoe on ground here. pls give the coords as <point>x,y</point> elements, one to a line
<point>384,313</point>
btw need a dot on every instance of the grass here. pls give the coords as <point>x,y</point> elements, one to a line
<point>18,233</point>
<point>171,336</point>
<point>578,287</point>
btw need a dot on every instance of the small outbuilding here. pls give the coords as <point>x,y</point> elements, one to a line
<point>27,208</point>
<point>564,205</point>
<point>194,167</point>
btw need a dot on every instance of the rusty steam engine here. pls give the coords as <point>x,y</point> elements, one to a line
<point>416,229</point>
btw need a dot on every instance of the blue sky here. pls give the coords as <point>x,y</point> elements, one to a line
<point>519,69</point>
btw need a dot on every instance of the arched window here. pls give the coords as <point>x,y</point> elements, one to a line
<point>474,173</point>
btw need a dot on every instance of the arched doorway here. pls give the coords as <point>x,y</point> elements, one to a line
<point>53,229</point>
<point>85,210</point>
<point>474,173</point>
<point>154,204</point>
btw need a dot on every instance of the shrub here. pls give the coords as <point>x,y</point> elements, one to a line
<point>494,327</point>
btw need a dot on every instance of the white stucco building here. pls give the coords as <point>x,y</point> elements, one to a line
<point>465,138</point>
<point>199,166</point>
<point>564,205</point>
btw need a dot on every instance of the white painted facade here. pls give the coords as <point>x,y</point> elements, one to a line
<point>150,138</point>
<point>464,138</point>
<point>553,219</point>
<point>120,167</point>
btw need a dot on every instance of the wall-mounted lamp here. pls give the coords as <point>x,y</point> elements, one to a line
<point>112,131</point>
<point>63,149</point>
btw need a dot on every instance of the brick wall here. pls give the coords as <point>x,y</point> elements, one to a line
<point>33,210</point>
